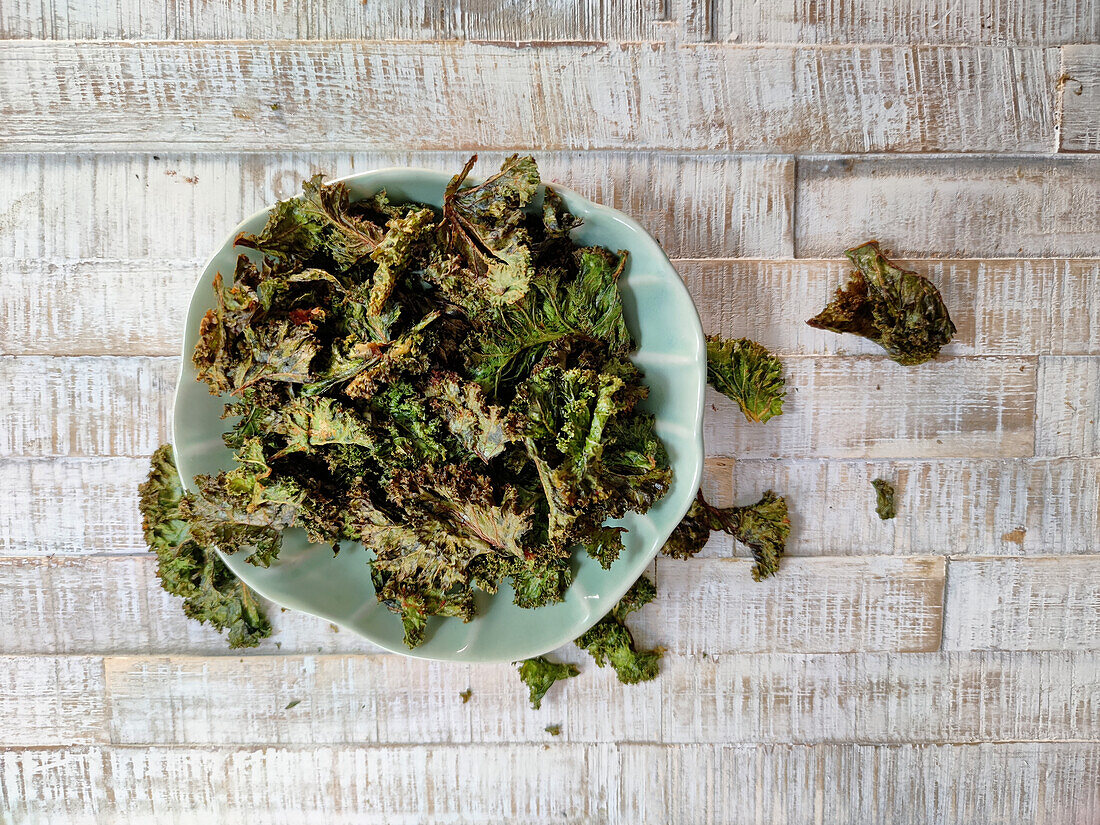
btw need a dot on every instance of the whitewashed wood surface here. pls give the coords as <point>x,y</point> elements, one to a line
<point>943,667</point>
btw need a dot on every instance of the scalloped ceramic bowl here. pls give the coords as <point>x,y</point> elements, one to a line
<point>307,577</point>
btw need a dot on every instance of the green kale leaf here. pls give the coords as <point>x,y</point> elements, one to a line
<point>899,310</point>
<point>584,310</point>
<point>483,428</point>
<point>763,527</point>
<point>610,642</point>
<point>539,674</point>
<point>289,234</point>
<point>745,372</point>
<point>191,569</point>
<point>487,224</point>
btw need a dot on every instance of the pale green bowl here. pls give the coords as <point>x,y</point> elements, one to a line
<point>306,577</point>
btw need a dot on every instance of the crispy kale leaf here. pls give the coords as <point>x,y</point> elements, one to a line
<point>745,372</point>
<point>763,527</point>
<point>884,499</point>
<point>593,463</point>
<point>693,531</point>
<point>556,313</point>
<point>899,310</point>
<point>539,674</point>
<point>610,642</point>
<point>487,226</point>
<point>483,428</point>
<point>190,569</point>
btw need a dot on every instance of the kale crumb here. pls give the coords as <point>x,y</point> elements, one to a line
<point>553,730</point>
<point>885,505</point>
<point>465,695</point>
<point>292,703</point>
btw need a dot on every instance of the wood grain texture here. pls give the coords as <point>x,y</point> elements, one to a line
<point>386,698</point>
<point>853,784</point>
<point>1000,307</point>
<point>914,698</point>
<point>990,207</point>
<point>51,701</point>
<point>1068,419</point>
<point>994,506</point>
<point>60,309</point>
<point>114,605</point>
<point>1011,22</point>
<point>684,785</point>
<point>975,407</point>
<point>1023,604</point>
<point>837,605</point>
<point>300,95</point>
<point>69,506</point>
<point>315,20</point>
<point>85,406</point>
<point>62,210</point>
<point>1079,85</point>
<point>767,698</point>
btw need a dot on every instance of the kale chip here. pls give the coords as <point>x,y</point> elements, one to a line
<point>190,568</point>
<point>745,372</point>
<point>899,310</point>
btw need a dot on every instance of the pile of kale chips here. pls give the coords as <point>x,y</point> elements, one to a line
<point>451,388</point>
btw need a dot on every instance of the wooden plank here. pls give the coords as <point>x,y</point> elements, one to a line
<point>51,701</point>
<point>954,407</point>
<point>1023,604</point>
<point>873,408</point>
<point>114,605</point>
<point>85,406</point>
<point>70,506</point>
<point>1017,22</point>
<point>314,20</point>
<point>355,699</point>
<point>61,210</point>
<point>1051,22</point>
<point>1001,307</point>
<point>1068,410</point>
<point>713,607</point>
<point>1080,91</point>
<point>766,698</point>
<point>94,307</point>
<point>860,784</point>
<point>684,785</point>
<point>983,507</point>
<point>962,207</point>
<point>883,698</point>
<point>303,96</point>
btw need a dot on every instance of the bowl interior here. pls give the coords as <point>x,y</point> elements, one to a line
<point>307,577</point>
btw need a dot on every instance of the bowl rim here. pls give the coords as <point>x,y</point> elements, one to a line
<point>434,176</point>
